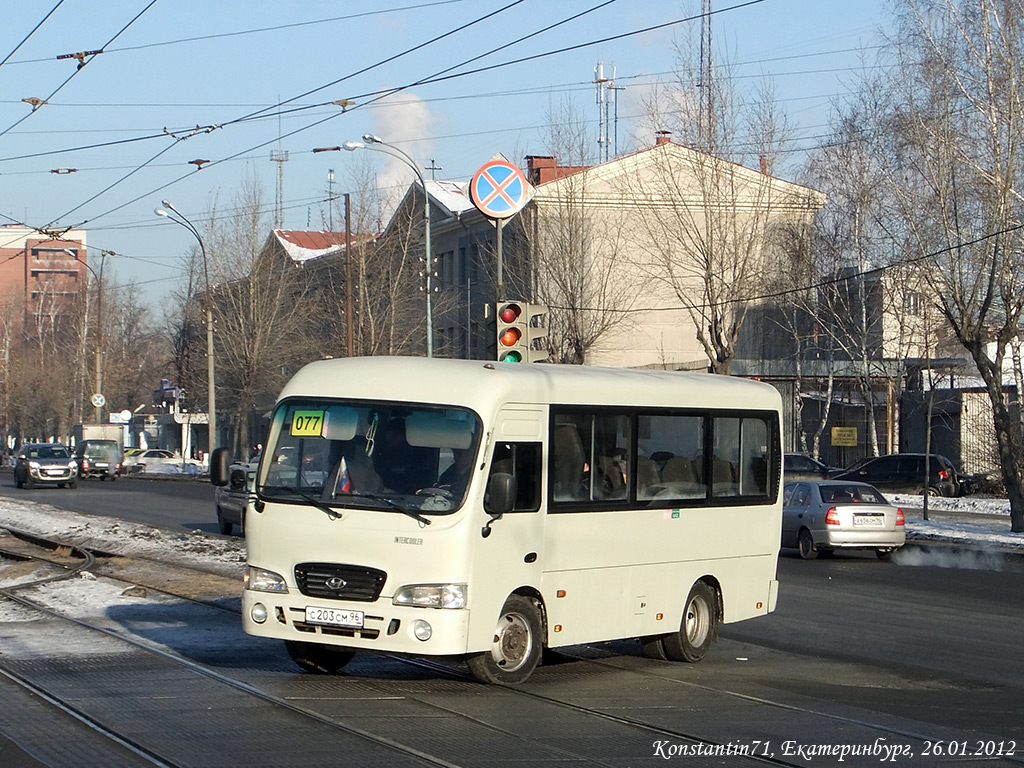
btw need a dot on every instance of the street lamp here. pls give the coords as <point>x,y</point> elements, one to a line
<point>376,143</point>
<point>99,321</point>
<point>178,217</point>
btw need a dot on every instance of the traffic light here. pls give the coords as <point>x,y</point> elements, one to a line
<point>536,332</point>
<point>513,339</point>
<point>521,332</point>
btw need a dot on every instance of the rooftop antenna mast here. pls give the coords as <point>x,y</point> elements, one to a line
<point>279,156</point>
<point>330,199</point>
<point>604,86</point>
<point>705,81</point>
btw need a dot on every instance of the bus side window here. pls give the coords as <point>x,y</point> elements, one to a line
<point>522,461</point>
<point>569,463</point>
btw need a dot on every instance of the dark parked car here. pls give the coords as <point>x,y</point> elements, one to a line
<point>233,499</point>
<point>800,466</point>
<point>904,473</point>
<point>98,458</point>
<point>45,464</point>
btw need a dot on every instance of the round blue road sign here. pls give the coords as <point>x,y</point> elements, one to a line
<point>499,190</point>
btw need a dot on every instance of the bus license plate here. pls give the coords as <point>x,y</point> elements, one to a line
<point>333,617</point>
<point>868,521</point>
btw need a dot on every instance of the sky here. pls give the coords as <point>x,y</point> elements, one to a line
<point>233,82</point>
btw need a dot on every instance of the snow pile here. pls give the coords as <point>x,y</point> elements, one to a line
<point>976,521</point>
<point>176,468</point>
<point>218,554</point>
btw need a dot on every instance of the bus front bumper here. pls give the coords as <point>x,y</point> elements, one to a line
<point>377,626</point>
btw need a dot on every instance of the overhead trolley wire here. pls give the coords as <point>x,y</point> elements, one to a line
<point>34,30</point>
<point>85,60</point>
<point>438,77</point>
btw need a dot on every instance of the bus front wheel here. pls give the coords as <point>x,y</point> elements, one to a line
<point>318,658</point>
<point>516,645</point>
<point>697,628</point>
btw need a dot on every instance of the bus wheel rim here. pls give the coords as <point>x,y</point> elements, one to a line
<point>698,621</point>
<point>512,642</point>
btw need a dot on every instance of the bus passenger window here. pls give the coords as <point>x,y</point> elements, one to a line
<point>522,461</point>
<point>569,464</point>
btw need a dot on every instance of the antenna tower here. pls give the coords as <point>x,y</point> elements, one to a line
<point>606,94</point>
<point>279,156</point>
<point>705,82</point>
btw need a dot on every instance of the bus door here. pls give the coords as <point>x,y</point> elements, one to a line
<point>509,549</point>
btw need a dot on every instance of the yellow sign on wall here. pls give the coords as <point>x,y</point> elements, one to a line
<point>844,437</point>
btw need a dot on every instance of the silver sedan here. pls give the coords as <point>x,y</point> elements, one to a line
<point>819,517</point>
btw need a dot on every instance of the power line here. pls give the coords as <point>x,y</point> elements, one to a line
<point>258,30</point>
<point>32,32</point>
<point>86,58</point>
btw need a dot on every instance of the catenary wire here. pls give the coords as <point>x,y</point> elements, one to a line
<point>32,32</point>
<point>85,60</point>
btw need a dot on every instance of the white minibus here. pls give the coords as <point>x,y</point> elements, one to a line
<point>487,510</point>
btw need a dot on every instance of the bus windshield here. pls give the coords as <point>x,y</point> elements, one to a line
<point>409,458</point>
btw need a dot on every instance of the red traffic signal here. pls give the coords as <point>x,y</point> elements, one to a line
<point>511,332</point>
<point>509,313</point>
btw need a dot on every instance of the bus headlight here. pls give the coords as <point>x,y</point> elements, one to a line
<point>261,580</point>
<point>431,596</point>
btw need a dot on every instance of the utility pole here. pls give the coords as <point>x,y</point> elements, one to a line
<point>349,336</point>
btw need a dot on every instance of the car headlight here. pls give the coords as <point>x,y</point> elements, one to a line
<point>262,580</point>
<point>34,464</point>
<point>431,595</point>
<point>72,465</point>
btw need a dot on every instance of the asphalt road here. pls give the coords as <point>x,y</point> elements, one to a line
<point>935,644</point>
<point>185,503</point>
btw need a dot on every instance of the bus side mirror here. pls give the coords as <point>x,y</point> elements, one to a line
<point>501,498</point>
<point>220,466</point>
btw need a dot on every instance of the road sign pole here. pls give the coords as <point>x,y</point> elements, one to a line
<point>501,282</point>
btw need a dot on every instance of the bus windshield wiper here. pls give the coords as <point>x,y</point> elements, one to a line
<point>312,500</point>
<point>394,505</point>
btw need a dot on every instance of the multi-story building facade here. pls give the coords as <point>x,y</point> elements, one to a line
<point>40,278</point>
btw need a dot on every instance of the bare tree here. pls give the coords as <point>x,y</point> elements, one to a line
<point>950,136</point>
<point>707,216</point>
<point>258,307</point>
<point>573,248</point>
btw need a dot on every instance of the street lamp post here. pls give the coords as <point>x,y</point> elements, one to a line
<point>99,322</point>
<point>376,143</point>
<point>177,217</point>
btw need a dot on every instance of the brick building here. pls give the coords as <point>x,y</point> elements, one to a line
<point>40,277</point>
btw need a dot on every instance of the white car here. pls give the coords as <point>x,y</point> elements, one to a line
<point>821,516</point>
<point>158,460</point>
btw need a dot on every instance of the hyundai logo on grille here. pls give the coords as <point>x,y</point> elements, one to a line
<point>336,583</point>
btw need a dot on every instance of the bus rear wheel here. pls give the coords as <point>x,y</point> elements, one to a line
<point>697,628</point>
<point>516,645</point>
<point>318,658</point>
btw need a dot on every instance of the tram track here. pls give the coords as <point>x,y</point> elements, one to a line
<point>375,740</point>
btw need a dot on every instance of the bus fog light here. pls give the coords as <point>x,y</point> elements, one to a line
<point>258,613</point>
<point>421,629</point>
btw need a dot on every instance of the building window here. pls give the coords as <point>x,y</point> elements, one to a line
<point>915,304</point>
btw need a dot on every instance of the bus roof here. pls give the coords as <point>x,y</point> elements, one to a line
<point>483,385</point>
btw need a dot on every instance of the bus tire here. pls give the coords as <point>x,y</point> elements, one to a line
<point>805,544</point>
<point>697,628</point>
<point>654,647</point>
<point>318,658</point>
<point>516,645</point>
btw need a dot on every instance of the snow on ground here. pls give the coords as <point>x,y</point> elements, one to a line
<point>982,523</point>
<point>220,554</point>
<point>981,526</point>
